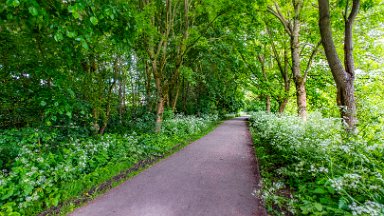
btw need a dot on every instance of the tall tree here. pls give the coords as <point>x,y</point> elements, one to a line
<point>344,76</point>
<point>292,26</point>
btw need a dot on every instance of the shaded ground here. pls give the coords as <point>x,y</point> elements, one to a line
<point>214,175</point>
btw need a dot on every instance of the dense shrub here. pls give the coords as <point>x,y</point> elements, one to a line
<point>43,173</point>
<point>315,168</point>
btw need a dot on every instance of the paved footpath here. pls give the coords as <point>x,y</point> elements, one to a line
<point>213,176</point>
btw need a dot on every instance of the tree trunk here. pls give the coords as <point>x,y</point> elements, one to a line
<point>301,95</point>
<point>287,83</point>
<point>185,95</point>
<point>109,97</point>
<point>122,83</point>
<point>282,105</point>
<point>298,79</point>
<point>160,97</point>
<point>344,77</point>
<point>293,30</point>
<point>174,103</point>
<point>148,79</point>
<point>159,114</point>
<point>268,104</point>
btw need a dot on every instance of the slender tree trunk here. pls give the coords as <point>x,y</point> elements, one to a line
<point>293,30</point>
<point>95,116</point>
<point>109,97</point>
<point>296,71</point>
<point>148,79</point>
<point>282,105</point>
<point>301,95</point>
<point>159,114</point>
<point>268,104</point>
<point>174,103</point>
<point>287,83</point>
<point>186,92</point>
<point>121,96</point>
<point>133,94</point>
<point>344,77</point>
<point>160,97</point>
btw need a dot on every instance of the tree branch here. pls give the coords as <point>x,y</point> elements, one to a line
<point>310,60</point>
<point>277,13</point>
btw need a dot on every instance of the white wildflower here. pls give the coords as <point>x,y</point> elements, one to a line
<point>368,208</point>
<point>323,169</point>
<point>337,184</point>
<point>345,148</point>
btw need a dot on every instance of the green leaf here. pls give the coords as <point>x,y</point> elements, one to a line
<point>33,11</point>
<point>8,193</point>
<point>318,206</point>
<point>55,201</point>
<point>13,3</point>
<point>94,20</point>
<point>71,34</point>
<point>28,189</point>
<point>343,203</point>
<point>319,191</point>
<point>58,36</point>
<point>84,44</point>
<point>43,103</point>
<point>75,14</point>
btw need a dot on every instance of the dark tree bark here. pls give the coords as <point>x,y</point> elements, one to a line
<point>343,76</point>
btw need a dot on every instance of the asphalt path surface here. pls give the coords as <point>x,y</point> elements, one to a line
<point>213,176</point>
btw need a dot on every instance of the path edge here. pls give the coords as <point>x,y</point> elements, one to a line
<point>261,210</point>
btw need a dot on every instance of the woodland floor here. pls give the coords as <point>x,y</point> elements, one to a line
<point>214,175</point>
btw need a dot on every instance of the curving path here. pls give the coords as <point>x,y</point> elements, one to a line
<point>213,176</point>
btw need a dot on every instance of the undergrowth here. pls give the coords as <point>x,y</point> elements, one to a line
<point>42,170</point>
<point>316,168</point>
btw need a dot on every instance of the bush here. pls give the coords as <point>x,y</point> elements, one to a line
<point>314,167</point>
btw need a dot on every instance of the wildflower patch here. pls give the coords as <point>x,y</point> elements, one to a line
<point>325,170</point>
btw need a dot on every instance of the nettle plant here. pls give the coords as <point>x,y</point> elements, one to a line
<point>314,167</point>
